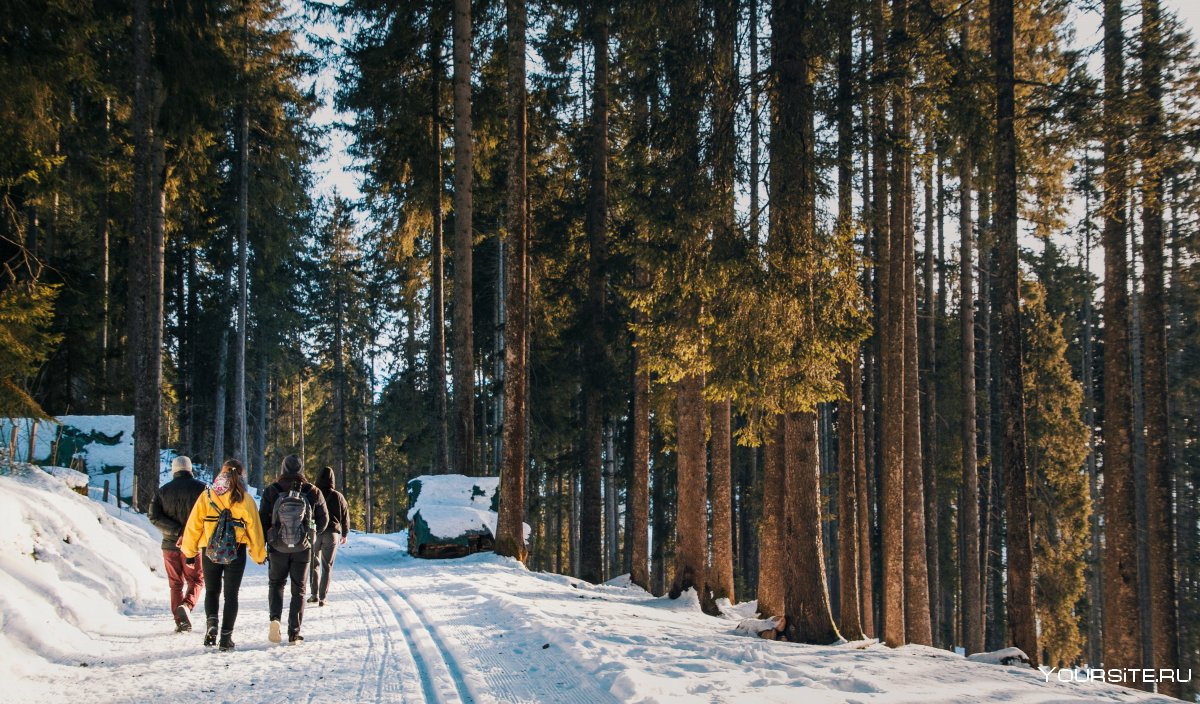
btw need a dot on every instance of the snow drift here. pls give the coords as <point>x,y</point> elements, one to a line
<point>70,568</point>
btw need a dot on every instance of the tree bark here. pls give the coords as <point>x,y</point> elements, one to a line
<point>890,270</point>
<point>929,430</point>
<point>770,540</point>
<point>437,274</point>
<point>145,264</point>
<point>848,430</point>
<point>592,440</point>
<point>639,488</point>
<point>464,336</point>
<point>510,531</point>
<point>1159,470</point>
<point>972,593</point>
<point>1122,630</point>
<point>1019,545</point>
<point>725,247</point>
<point>691,514</point>
<point>849,413</point>
<point>240,449</point>
<point>721,500</point>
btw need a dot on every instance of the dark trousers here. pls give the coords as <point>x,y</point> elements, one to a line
<point>183,579</point>
<point>324,551</point>
<point>226,580</point>
<point>285,566</point>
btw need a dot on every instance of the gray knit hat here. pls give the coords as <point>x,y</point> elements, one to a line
<point>292,465</point>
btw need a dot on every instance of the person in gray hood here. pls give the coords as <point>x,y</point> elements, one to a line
<point>326,545</point>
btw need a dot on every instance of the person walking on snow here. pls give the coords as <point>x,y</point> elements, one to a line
<point>224,523</point>
<point>293,513</point>
<point>169,511</point>
<point>325,548</point>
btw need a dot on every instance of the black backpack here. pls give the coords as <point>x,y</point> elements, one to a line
<point>292,523</point>
<point>223,546</point>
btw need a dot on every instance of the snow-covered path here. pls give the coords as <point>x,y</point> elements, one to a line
<point>382,636</point>
<point>83,619</point>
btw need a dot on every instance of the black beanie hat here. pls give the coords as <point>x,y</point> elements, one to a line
<point>292,465</point>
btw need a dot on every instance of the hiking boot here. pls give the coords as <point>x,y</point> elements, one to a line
<point>182,621</point>
<point>312,599</point>
<point>210,634</point>
<point>227,643</point>
<point>295,639</point>
<point>321,603</point>
<point>273,634</point>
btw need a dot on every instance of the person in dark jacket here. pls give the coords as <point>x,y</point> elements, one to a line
<point>325,547</point>
<point>169,510</point>
<point>286,564</point>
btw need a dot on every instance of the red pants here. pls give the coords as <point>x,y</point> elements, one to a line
<point>179,572</point>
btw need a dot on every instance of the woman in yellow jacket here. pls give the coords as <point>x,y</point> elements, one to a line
<point>228,491</point>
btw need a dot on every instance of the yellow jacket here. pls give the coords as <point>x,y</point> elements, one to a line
<point>203,521</point>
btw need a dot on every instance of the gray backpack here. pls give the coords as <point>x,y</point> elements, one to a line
<point>292,523</point>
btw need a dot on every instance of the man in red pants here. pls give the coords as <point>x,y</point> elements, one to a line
<point>169,511</point>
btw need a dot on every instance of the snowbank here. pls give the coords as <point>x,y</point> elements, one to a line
<point>70,568</point>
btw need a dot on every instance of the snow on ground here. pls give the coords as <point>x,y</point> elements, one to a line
<point>88,618</point>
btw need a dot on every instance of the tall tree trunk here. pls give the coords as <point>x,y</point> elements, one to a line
<point>929,434</point>
<point>849,428</point>
<point>866,588</point>
<point>904,389</point>
<point>1122,629</point>
<point>510,531</point>
<point>806,599</point>
<point>849,412</point>
<point>610,503</point>
<point>867,382</point>
<point>721,500</point>
<point>807,612</point>
<point>661,527</point>
<point>1095,589</point>
<point>972,593</point>
<point>145,314</point>
<point>339,372</point>
<point>592,440</point>
<point>260,424</point>
<point>770,541</point>
<point>890,270</point>
<point>1159,470</point>
<point>691,515</point>
<point>218,442</point>
<point>639,488</point>
<point>437,274</point>
<point>464,336</point>
<point>240,450</point>
<point>725,247</point>
<point>1019,545</point>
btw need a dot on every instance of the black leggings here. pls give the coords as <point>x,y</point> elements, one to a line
<point>232,576</point>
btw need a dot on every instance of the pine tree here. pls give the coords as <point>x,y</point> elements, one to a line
<point>510,531</point>
<point>464,240</point>
<point>1122,629</point>
<point>1058,445</point>
<point>1159,470</point>
<point>1019,543</point>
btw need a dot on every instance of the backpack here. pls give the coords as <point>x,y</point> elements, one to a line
<point>223,546</point>
<point>292,523</point>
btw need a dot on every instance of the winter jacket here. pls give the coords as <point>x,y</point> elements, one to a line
<point>285,483</point>
<point>203,521</point>
<point>171,506</point>
<point>339,513</point>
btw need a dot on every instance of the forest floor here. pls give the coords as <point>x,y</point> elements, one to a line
<point>83,621</point>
